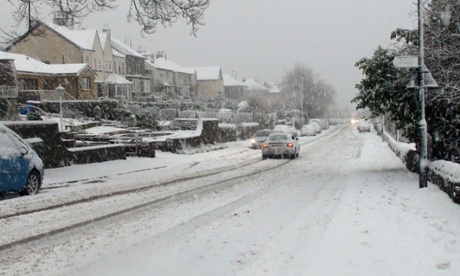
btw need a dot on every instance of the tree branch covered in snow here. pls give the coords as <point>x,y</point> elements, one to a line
<point>147,13</point>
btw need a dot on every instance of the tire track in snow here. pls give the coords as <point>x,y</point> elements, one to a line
<point>174,196</point>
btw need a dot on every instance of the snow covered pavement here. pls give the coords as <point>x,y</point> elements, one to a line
<point>347,206</point>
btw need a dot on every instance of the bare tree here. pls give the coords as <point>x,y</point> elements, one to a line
<point>294,83</point>
<point>302,90</point>
<point>147,13</point>
<point>321,99</point>
<point>258,102</point>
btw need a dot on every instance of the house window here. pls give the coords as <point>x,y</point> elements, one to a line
<point>146,86</point>
<point>136,85</point>
<point>86,84</point>
<point>28,84</point>
<point>49,84</point>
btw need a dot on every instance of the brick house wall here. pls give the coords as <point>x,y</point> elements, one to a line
<point>47,46</point>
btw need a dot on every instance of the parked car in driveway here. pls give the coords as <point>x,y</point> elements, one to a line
<point>364,127</point>
<point>323,123</point>
<point>308,130</point>
<point>316,126</point>
<point>260,137</point>
<point>21,169</point>
<point>281,145</point>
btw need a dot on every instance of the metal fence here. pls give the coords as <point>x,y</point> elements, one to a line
<point>47,95</point>
<point>223,117</point>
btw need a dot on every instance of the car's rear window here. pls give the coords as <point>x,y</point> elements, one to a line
<point>263,133</point>
<point>281,128</point>
<point>277,137</point>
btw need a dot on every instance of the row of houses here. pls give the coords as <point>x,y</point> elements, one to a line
<point>90,64</point>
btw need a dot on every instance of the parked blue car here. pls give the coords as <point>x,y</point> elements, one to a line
<point>21,169</point>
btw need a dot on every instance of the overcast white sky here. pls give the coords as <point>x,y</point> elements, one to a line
<point>264,38</point>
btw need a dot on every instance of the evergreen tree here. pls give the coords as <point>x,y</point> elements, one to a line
<point>442,105</point>
<point>383,90</point>
<point>442,43</point>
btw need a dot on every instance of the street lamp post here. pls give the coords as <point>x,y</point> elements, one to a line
<point>422,124</point>
<point>60,91</point>
<point>425,80</point>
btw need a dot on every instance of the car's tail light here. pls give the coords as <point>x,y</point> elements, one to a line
<point>290,145</point>
<point>265,146</point>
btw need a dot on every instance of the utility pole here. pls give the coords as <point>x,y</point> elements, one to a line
<point>301,102</point>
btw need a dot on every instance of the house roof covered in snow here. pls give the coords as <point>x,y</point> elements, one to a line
<point>207,73</point>
<point>125,49</point>
<point>273,87</point>
<point>117,54</point>
<point>253,85</point>
<point>116,79</point>
<point>162,63</point>
<point>230,81</point>
<point>82,38</point>
<point>68,68</point>
<point>27,64</point>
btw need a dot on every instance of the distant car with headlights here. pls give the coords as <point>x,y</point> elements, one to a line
<point>259,138</point>
<point>308,130</point>
<point>281,145</point>
<point>364,127</point>
<point>21,169</point>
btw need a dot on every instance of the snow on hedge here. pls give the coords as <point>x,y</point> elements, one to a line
<point>401,149</point>
<point>448,170</point>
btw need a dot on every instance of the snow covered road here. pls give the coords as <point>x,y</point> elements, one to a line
<point>346,206</point>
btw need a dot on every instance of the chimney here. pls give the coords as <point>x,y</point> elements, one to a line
<point>161,54</point>
<point>62,18</point>
<point>107,31</point>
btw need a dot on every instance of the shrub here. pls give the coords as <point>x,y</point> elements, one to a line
<point>34,116</point>
<point>147,120</point>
